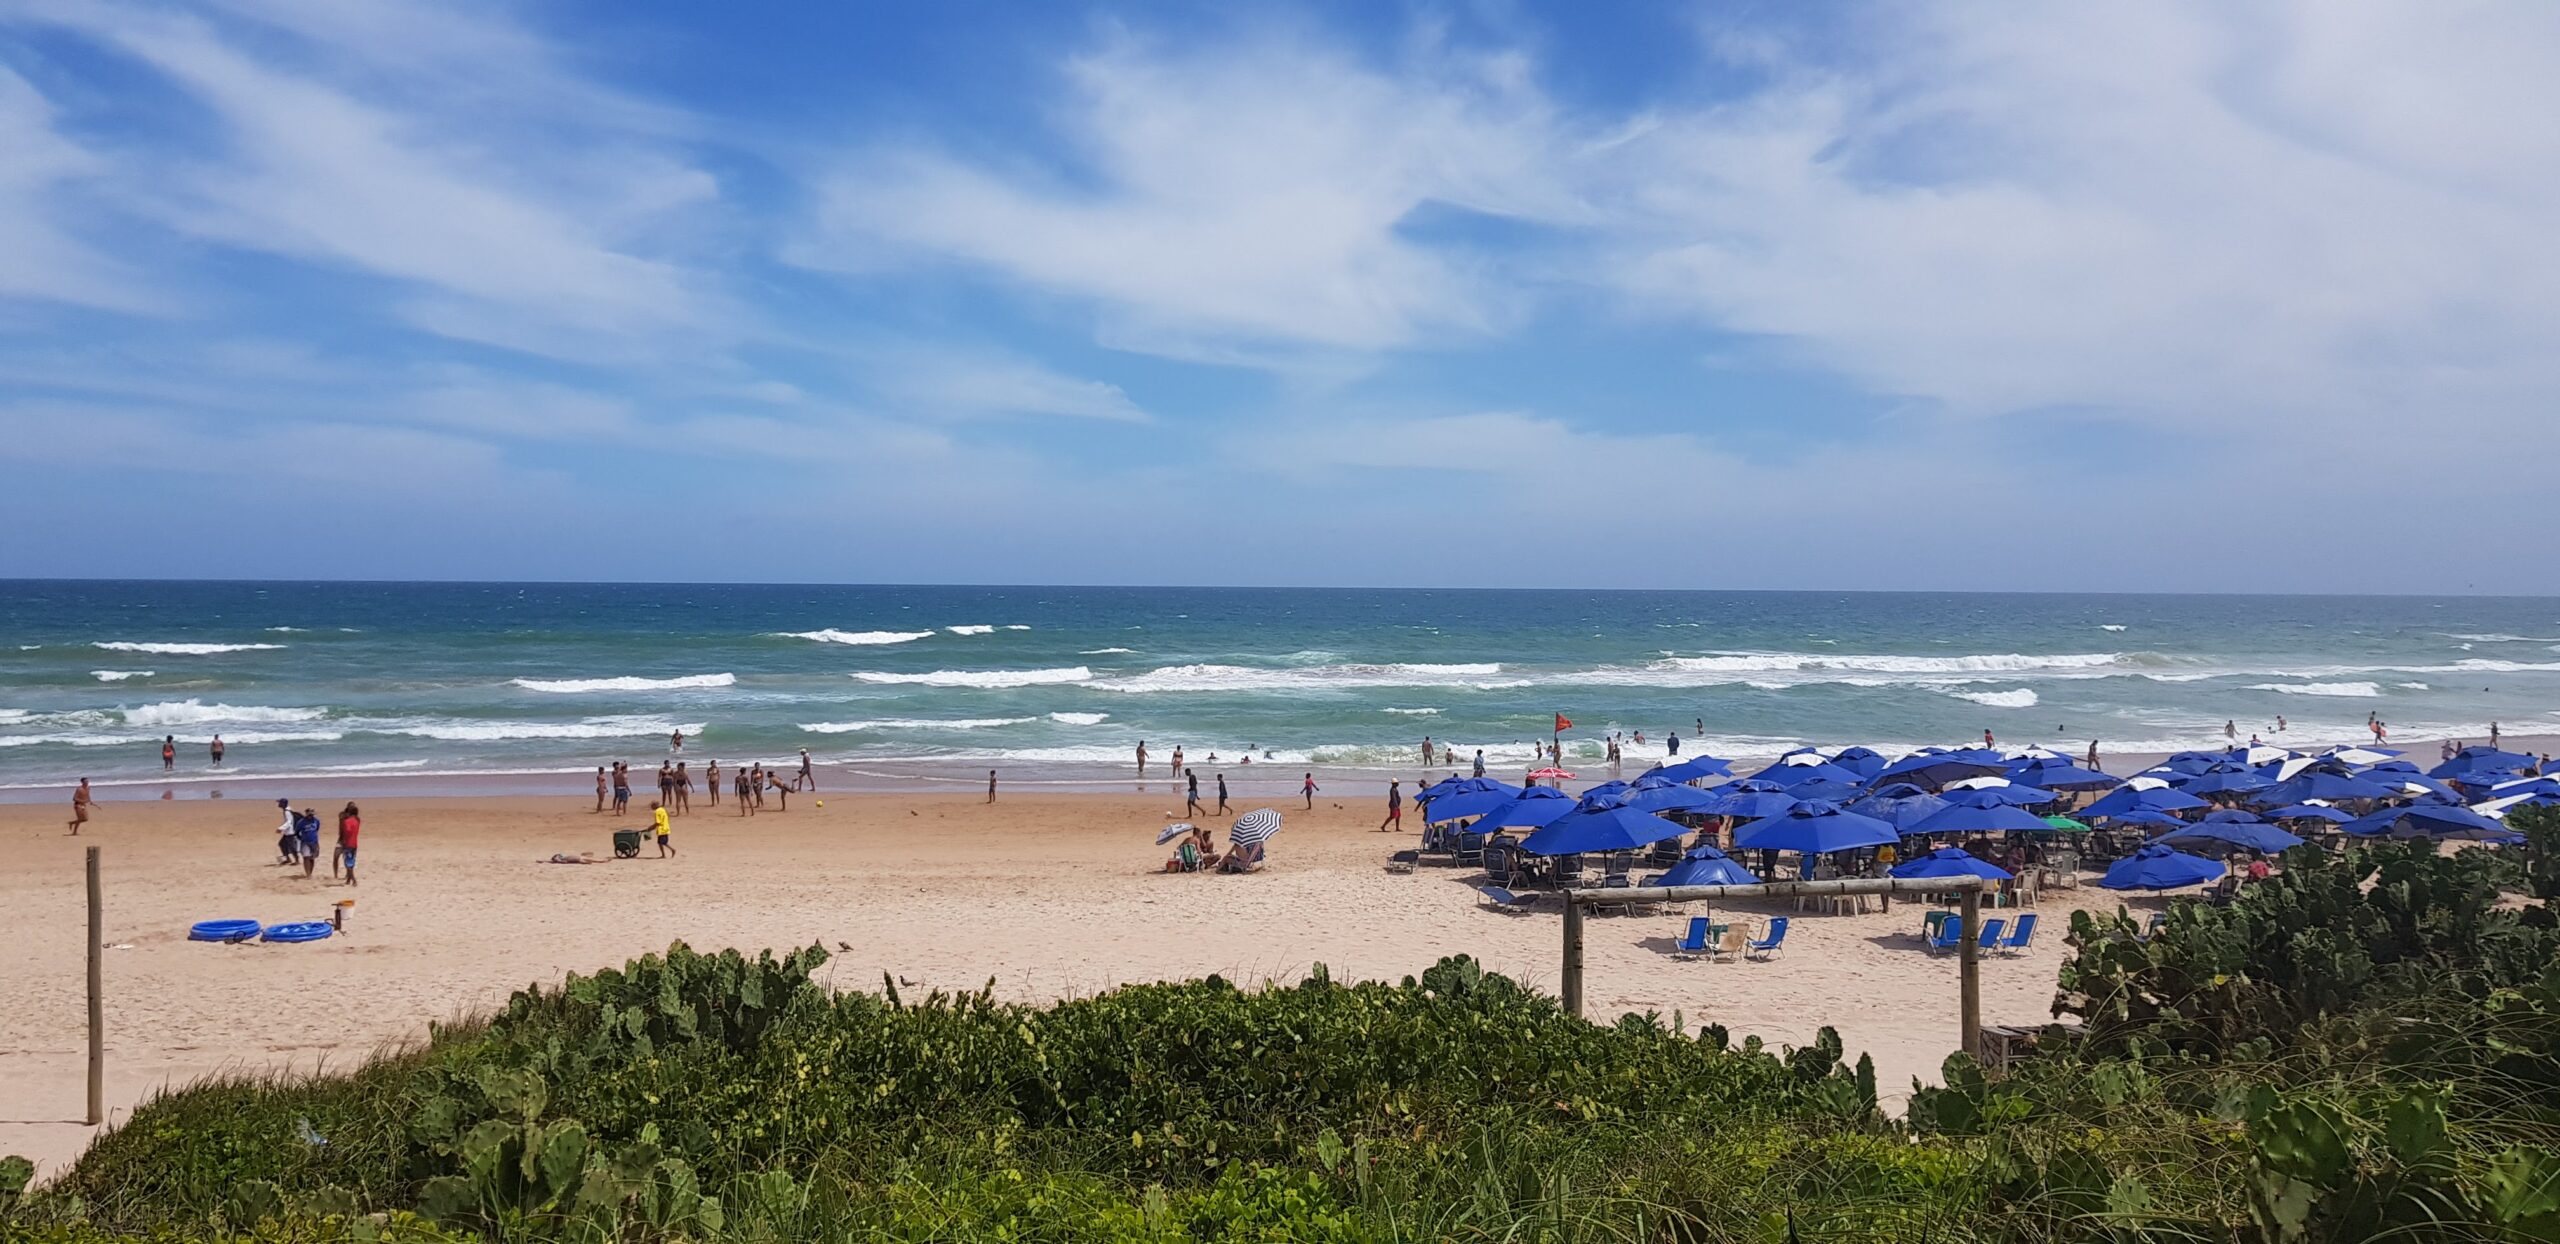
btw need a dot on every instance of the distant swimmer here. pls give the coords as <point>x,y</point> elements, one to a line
<point>675,741</point>
<point>168,753</point>
<point>1142,758</point>
<point>2231,730</point>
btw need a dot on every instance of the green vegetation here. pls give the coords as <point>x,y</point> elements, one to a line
<point>2366,1048</point>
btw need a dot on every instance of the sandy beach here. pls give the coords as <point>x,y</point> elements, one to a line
<point>1044,896</point>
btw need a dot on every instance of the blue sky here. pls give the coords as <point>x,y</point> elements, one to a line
<point>2178,296</point>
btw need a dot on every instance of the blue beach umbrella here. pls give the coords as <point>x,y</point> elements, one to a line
<point>2226,780</point>
<point>1695,768</point>
<point>2062,775</point>
<point>2432,820</point>
<point>2309,812</point>
<point>2480,760</point>
<point>2143,816</point>
<point>2253,835</point>
<point>1785,774</point>
<point>2013,794</point>
<point>1672,797</point>
<point>2327,784</point>
<point>1936,768</point>
<point>1599,826</point>
<point>1535,807</point>
<point>1898,803</point>
<point>1751,803</point>
<point>2160,868</point>
<point>2125,799</point>
<point>1983,818</point>
<point>1830,792</point>
<point>1815,828</point>
<point>1706,866</point>
<point>1866,762</point>
<point>1950,862</point>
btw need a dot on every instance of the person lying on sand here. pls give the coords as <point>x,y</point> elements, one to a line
<point>583,857</point>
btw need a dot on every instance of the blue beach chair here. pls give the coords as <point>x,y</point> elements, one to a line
<point>1945,934</point>
<point>1768,947</point>
<point>2020,936</point>
<point>1990,939</point>
<point>1692,944</point>
<point>1501,899</point>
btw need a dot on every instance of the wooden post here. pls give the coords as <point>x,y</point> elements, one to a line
<point>1969,977</point>
<point>97,999</point>
<point>1572,956</point>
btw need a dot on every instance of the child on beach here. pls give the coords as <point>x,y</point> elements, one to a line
<point>1311,791</point>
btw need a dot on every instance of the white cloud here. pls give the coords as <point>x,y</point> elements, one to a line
<point>40,256</point>
<point>1253,192</point>
<point>963,382</point>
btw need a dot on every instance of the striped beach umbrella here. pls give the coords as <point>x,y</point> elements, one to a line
<point>1173,831</point>
<point>1254,828</point>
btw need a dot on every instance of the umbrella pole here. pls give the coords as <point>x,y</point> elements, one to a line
<point>1969,976</point>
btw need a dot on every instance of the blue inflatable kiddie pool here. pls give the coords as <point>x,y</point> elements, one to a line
<point>298,931</point>
<point>222,930</point>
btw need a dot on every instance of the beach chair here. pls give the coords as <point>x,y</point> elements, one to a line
<point>1990,939</point>
<point>2020,936</point>
<point>1403,861</point>
<point>1946,934</point>
<point>1611,883</point>
<point>1497,868</point>
<point>1616,864</point>
<point>1470,848</point>
<point>1664,854</point>
<point>1730,946</point>
<point>1693,942</point>
<point>1499,899</point>
<point>1933,922</point>
<point>1769,946</point>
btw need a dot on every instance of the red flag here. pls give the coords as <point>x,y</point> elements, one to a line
<point>1563,723</point>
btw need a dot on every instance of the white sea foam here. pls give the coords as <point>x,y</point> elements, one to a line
<point>974,629</point>
<point>197,712</point>
<point>181,650</point>
<point>571,686</point>
<point>2411,686</point>
<point>497,731</point>
<point>2180,677</point>
<point>1079,719</point>
<point>861,638</point>
<point>2349,690</point>
<point>1786,662</point>
<point>13,714</point>
<point>286,630</point>
<point>2020,698</point>
<point>120,675</point>
<point>980,678</point>
<point>1102,652</point>
<point>2111,626</point>
<point>1413,712</point>
<point>375,766</point>
<point>2508,639</point>
<point>900,723</point>
<point>1016,626</point>
<point>1200,678</point>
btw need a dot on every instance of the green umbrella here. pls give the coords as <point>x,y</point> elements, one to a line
<point>2066,824</point>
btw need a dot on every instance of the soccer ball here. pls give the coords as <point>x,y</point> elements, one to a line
<point>822,803</point>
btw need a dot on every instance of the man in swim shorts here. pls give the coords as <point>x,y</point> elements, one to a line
<point>1395,807</point>
<point>658,821</point>
<point>348,824</point>
<point>80,807</point>
<point>306,840</point>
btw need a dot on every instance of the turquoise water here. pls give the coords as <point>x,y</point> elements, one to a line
<point>481,686</point>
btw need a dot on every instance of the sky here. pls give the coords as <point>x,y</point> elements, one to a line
<point>2180,296</point>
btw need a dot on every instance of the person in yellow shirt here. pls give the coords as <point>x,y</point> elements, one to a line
<point>658,819</point>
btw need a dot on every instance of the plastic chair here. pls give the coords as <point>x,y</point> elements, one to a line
<point>1769,946</point>
<point>2020,936</point>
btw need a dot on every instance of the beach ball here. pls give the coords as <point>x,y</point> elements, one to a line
<point>822,803</point>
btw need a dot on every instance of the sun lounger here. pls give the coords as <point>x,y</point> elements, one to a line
<point>1403,861</point>
<point>1610,883</point>
<point>1504,900</point>
<point>2020,936</point>
<point>1769,946</point>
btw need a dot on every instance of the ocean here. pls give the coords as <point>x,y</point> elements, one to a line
<point>464,688</point>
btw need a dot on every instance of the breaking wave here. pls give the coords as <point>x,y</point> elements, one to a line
<point>862,638</point>
<point>2020,698</point>
<point>180,650</point>
<point>120,675</point>
<point>2352,690</point>
<point>896,723</point>
<point>197,712</point>
<point>1079,719</point>
<point>980,678</point>
<point>1199,678</point>
<point>571,686</point>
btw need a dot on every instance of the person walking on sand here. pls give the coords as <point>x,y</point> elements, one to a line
<point>286,852</point>
<point>1222,792</point>
<point>991,784</point>
<point>1311,792</point>
<point>79,807</point>
<point>168,753</point>
<point>666,785</point>
<point>755,784</point>
<point>2093,757</point>
<point>1191,806</point>
<point>349,825</point>
<point>2493,735</point>
<point>658,822</point>
<point>808,772</point>
<point>217,751</point>
<point>621,787</point>
<point>711,780</point>
<point>1395,807</point>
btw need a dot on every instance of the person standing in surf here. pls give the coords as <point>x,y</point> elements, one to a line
<point>168,753</point>
<point>1142,758</point>
<point>217,751</point>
